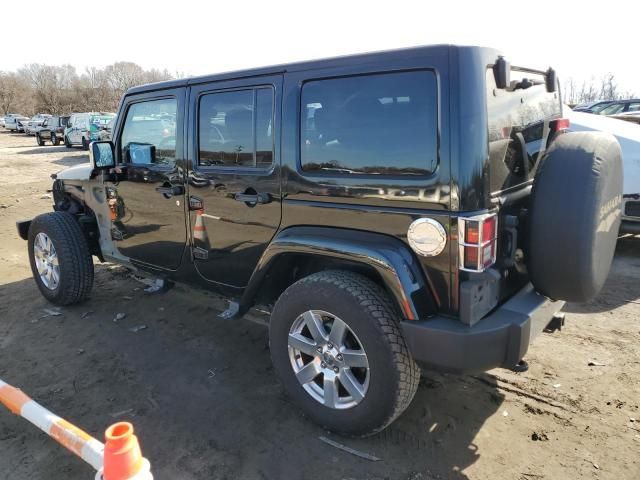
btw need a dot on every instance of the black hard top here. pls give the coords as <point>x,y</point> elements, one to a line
<point>374,57</point>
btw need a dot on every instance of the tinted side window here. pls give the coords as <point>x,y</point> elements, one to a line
<point>236,128</point>
<point>149,132</point>
<point>382,124</point>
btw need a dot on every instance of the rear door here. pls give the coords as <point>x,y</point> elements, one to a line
<point>235,174</point>
<point>147,201</point>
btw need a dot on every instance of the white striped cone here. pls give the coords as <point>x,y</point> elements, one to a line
<point>199,229</point>
<point>69,436</point>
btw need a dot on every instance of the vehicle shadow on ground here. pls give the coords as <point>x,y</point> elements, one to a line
<point>624,288</point>
<point>71,160</point>
<point>49,149</point>
<point>202,394</point>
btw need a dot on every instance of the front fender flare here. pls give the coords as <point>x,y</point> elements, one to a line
<point>394,262</point>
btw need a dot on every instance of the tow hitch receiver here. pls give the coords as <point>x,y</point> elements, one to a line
<point>556,323</point>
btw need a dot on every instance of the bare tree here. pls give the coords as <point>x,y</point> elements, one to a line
<point>59,89</point>
<point>10,87</point>
<point>604,88</point>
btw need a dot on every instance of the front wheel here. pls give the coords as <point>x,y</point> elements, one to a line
<point>67,143</point>
<point>85,144</point>
<point>60,259</point>
<point>337,347</point>
<point>40,140</point>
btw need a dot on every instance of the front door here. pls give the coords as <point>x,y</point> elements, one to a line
<point>147,203</point>
<point>235,173</point>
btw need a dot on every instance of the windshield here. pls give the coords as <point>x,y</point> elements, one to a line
<point>612,109</point>
<point>101,120</point>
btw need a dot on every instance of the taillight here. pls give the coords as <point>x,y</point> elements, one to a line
<point>561,124</point>
<point>477,239</point>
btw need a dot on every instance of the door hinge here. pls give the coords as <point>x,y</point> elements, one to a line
<point>199,253</point>
<point>195,203</point>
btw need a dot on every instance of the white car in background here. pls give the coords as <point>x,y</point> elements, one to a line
<point>628,135</point>
<point>15,123</point>
<point>36,121</point>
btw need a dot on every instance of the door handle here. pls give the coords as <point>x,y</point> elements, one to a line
<point>170,191</point>
<point>252,199</point>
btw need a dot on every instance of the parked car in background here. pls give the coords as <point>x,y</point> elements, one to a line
<point>628,136</point>
<point>592,107</point>
<point>15,123</point>
<point>7,116</point>
<point>35,122</point>
<point>84,128</point>
<point>628,117</point>
<point>621,106</point>
<point>2,122</point>
<point>52,129</point>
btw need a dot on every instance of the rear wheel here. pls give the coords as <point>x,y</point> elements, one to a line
<point>336,346</point>
<point>60,259</point>
<point>54,139</point>
<point>40,140</point>
<point>85,144</point>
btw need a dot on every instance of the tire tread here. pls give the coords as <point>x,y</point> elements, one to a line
<point>376,301</point>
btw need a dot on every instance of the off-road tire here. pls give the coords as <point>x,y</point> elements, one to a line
<point>55,140</point>
<point>40,140</point>
<point>369,313</point>
<point>574,216</point>
<point>76,264</point>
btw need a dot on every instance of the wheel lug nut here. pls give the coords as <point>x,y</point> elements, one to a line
<point>335,369</point>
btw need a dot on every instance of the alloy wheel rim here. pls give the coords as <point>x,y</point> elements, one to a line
<point>46,259</point>
<point>328,360</point>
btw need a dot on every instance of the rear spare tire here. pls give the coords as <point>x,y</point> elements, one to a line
<point>60,259</point>
<point>575,216</point>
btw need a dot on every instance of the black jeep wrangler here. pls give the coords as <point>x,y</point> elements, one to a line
<point>396,209</point>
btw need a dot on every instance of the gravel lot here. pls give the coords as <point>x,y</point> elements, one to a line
<point>207,405</point>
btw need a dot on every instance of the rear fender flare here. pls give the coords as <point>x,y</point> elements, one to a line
<point>393,261</point>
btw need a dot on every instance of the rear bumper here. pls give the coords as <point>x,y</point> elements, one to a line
<point>499,340</point>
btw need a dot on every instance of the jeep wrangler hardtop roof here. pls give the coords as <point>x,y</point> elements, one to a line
<point>363,58</point>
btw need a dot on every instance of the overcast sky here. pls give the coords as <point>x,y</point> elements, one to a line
<point>198,37</point>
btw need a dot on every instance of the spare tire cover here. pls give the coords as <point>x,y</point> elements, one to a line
<point>575,216</point>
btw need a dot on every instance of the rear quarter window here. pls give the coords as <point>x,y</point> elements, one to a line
<point>377,124</point>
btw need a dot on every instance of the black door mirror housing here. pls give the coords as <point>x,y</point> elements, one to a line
<point>102,155</point>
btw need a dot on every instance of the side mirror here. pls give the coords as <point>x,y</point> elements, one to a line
<point>102,155</point>
<point>551,80</point>
<point>502,73</point>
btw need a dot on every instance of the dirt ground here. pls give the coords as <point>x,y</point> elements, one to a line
<point>206,403</point>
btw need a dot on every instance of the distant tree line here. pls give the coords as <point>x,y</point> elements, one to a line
<point>38,88</point>
<point>604,88</point>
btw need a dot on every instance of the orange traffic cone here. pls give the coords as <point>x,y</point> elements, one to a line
<point>122,457</point>
<point>200,231</point>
